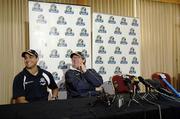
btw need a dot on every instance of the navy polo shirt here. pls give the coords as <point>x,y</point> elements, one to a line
<point>34,88</point>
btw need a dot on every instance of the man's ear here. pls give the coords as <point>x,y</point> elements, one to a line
<point>37,58</point>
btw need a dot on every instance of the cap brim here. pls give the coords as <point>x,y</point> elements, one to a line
<point>23,54</point>
<point>75,54</point>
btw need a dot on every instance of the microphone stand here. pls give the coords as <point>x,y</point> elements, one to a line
<point>148,89</point>
<point>134,94</point>
<point>149,93</point>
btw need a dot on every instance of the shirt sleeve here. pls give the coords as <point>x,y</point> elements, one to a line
<point>93,77</point>
<point>52,84</point>
<point>75,81</point>
<point>18,89</point>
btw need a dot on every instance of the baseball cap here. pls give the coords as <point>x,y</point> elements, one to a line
<point>30,52</point>
<point>78,54</point>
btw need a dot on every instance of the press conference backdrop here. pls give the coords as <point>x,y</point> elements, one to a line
<point>116,45</point>
<point>56,30</point>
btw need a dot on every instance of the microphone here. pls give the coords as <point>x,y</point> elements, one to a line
<point>163,78</point>
<point>147,85</point>
<point>127,80</point>
<point>142,80</point>
<point>154,83</point>
<point>157,85</point>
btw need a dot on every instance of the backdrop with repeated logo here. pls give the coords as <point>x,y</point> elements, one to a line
<point>116,45</point>
<point>57,30</point>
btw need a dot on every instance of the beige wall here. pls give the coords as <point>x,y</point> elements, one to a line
<point>160,34</point>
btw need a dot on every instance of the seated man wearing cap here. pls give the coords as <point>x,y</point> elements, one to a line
<point>31,83</point>
<point>81,82</point>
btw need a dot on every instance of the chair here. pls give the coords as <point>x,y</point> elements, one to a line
<point>156,76</point>
<point>119,84</point>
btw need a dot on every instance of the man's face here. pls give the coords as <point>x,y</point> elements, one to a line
<point>77,61</point>
<point>30,61</point>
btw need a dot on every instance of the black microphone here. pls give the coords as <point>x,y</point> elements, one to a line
<point>157,85</point>
<point>153,83</point>
<point>147,84</point>
<point>127,81</point>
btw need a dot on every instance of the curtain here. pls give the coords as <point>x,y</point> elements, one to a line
<point>13,41</point>
<point>160,33</point>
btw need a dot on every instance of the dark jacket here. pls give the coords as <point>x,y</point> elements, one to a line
<point>34,88</point>
<point>80,84</point>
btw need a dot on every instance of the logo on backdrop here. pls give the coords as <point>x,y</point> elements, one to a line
<point>42,64</point>
<point>53,31</point>
<point>37,7</point>
<point>84,32</point>
<point>135,61</point>
<point>111,20</point>
<point>132,70</point>
<point>102,50</point>
<point>99,19</point>
<point>69,10</point>
<point>85,53</point>
<point>117,50</point>
<point>62,65</point>
<point>98,39</point>
<point>134,22</point>
<point>68,53</point>
<point>61,21</point>
<point>98,60</point>
<point>55,76</point>
<point>80,22</point>
<point>54,54</point>
<point>41,19</point>
<point>111,60</point>
<point>117,70</point>
<point>132,32</point>
<point>53,9</point>
<point>62,43</point>
<point>134,41</point>
<point>123,60</point>
<point>123,41</point>
<point>83,11</point>
<point>80,43</point>
<point>102,29</point>
<point>123,21</point>
<point>111,40</point>
<point>117,31</point>
<point>69,32</point>
<point>102,70</point>
<point>132,51</point>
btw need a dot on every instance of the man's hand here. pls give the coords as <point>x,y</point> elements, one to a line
<point>99,89</point>
<point>21,99</point>
<point>82,68</point>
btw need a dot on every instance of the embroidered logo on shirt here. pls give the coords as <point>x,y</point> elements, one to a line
<point>42,81</point>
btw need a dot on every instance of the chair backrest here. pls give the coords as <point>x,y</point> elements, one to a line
<point>108,87</point>
<point>119,84</point>
<point>156,76</point>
